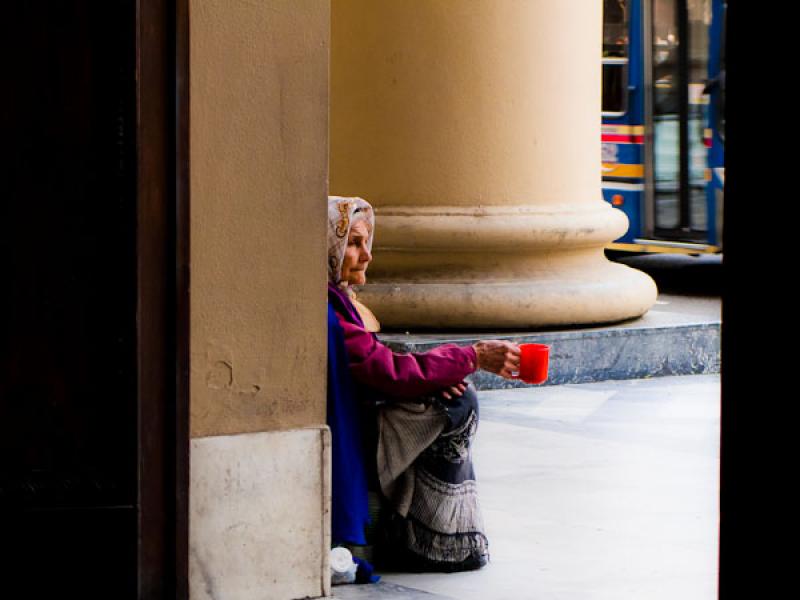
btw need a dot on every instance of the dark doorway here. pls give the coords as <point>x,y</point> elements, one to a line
<point>93,399</point>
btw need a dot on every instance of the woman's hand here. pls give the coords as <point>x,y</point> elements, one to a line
<point>498,357</point>
<point>453,391</point>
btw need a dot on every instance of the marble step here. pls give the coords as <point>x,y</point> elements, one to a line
<point>660,343</point>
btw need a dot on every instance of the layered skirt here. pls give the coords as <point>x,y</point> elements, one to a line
<point>431,518</point>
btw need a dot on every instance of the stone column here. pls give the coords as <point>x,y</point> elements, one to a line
<point>474,129</point>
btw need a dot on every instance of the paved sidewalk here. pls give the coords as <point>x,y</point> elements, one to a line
<point>599,491</point>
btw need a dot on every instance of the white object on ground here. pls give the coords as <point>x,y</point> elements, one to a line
<point>343,567</point>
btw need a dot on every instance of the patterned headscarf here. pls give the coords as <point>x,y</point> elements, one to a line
<point>343,213</point>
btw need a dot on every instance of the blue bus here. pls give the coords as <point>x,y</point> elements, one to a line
<point>663,122</point>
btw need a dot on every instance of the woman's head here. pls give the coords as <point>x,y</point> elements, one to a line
<point>357,255</point>
<point>351,224</point>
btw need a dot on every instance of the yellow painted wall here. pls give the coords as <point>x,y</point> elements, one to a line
<point>259,152</point>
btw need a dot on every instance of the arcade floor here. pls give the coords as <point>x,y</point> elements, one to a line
<point>596,491</point>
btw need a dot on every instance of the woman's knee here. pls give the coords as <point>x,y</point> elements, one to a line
<point>470,397</point>
<point>462,409</point>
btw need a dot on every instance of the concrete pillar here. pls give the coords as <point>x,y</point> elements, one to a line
<point>260,460</point>
<point>474,129</point>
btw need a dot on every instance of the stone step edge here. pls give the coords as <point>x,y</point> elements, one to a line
<point>585,356</point>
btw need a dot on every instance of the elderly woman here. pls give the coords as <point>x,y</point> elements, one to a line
<point>402,424</point>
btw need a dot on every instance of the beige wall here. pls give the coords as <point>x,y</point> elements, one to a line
<point>259,106</point>
<point>260,462</point>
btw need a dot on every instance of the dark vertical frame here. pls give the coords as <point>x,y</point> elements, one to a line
<point>94,345</point>
<point>153,292</point>
<point>683,116</point>
<point>162,296</point>
<point>68,397</point>
<point>182,297</point>
<point>758,444</point>
<point>648,207</point>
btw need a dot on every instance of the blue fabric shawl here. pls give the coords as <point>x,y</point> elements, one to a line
<point>349,506</point>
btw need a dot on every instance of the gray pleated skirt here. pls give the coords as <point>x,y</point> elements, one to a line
<point>431,519</point>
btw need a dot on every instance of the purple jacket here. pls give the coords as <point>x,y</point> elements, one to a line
<point>398,375</point>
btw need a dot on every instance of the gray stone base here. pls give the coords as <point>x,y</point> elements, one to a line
<point>656,345</point>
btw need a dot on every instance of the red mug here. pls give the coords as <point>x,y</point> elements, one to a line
<point>533,362</point>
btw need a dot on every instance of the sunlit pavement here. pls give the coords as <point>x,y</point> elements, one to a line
<point>591,491</point>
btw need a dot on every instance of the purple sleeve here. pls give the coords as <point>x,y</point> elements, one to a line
<point>404,375</point>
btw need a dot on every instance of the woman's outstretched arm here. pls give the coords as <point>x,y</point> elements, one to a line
<point>421,373</point>
<point>405,375</point>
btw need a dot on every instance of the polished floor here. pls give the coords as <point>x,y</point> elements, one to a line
<point>599,491</point>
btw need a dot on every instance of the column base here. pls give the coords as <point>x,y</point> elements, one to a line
<point>490,267</point>
<point>604,294</point>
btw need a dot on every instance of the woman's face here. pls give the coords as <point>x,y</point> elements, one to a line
<point>356,256</point>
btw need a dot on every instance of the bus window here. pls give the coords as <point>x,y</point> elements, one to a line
<point>666,171</point>
<point>615,58</point>
<point>615,87</point>
<point>615,29</point>
<point>699,20</point>
<point>680,55</point>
